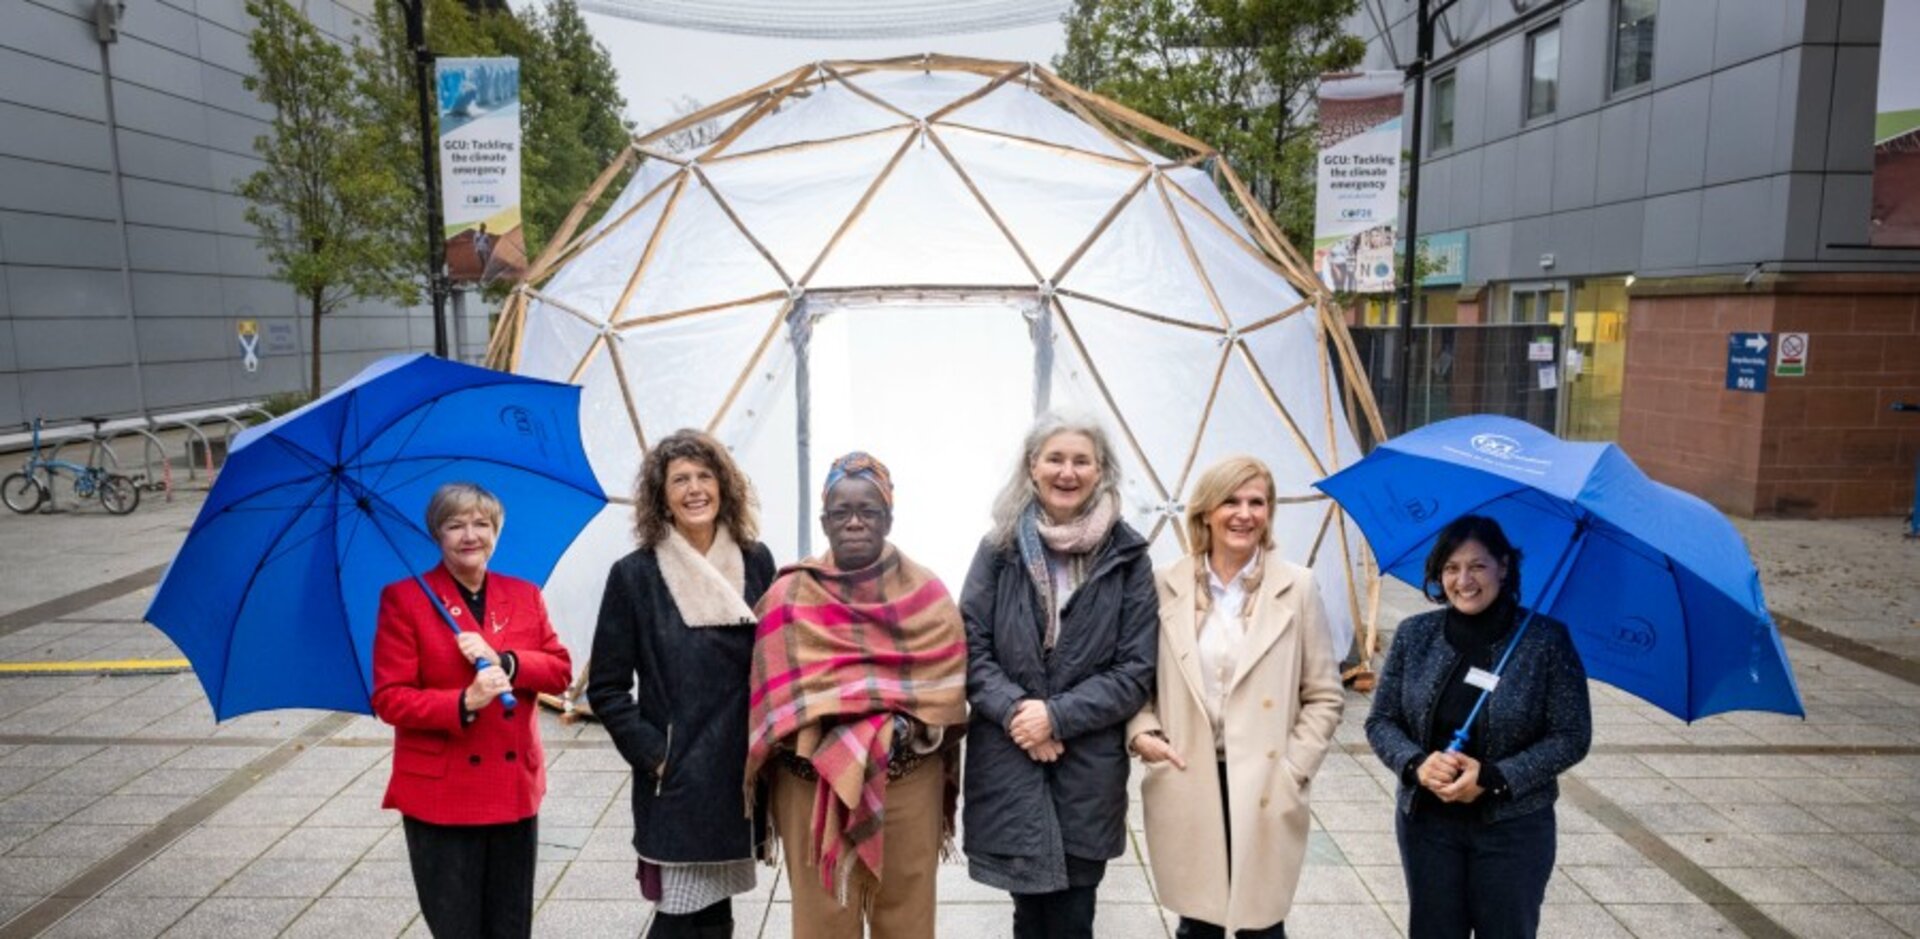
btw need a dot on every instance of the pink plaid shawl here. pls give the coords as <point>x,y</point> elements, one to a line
<point>837,654</point>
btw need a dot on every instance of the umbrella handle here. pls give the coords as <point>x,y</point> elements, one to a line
<point>506,698</point>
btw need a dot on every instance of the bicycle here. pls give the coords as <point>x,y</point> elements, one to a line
<point>32,487</point>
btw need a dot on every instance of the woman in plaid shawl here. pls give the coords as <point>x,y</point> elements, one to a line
<point>858,703</point>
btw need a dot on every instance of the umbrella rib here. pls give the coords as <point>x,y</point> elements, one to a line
<point>253,577</point>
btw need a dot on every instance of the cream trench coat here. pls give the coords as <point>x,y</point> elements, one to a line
<point>1282,706</point>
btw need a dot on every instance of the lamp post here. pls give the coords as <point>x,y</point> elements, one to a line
<point>1424,17</point>
<point>437,287</point>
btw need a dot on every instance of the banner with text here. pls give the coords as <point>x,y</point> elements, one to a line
<point>480,168</point>
<point>1358,198</point>
<point>1896,130</point>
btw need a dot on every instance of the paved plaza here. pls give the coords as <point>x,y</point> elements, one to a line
<point>125,811</point>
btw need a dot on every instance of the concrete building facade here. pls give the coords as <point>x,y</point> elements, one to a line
<point>127,267</point>
<point>1638,180</point>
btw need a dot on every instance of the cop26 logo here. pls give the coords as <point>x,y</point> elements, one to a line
<point>1496,445</point>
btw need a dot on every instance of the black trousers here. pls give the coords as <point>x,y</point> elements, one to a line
<point>474,880</point>
<point>1200,929</point>
<point>1062,914</point>
<point>714,922</point>
<point>1468,876</point>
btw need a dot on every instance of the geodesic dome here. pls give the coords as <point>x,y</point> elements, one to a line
<point>912,257</point>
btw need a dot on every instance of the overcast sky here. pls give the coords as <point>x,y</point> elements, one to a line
<point>659,64</point>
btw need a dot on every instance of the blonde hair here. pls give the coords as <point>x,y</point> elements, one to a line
<point>458,498</point>
<point>1214,488</point>
<point>1020,491</point>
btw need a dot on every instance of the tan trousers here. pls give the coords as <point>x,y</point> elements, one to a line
<point>902,903</point>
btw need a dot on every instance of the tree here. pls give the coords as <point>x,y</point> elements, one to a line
<point>317,202</point>
<point>1238,74</point>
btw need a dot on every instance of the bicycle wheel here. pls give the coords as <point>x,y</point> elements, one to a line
<point>119,495</point>
<point>22,493</point>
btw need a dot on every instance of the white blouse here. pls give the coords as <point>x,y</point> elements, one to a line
<point>1222,634</point>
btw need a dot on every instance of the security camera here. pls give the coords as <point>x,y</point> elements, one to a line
<point>106,19</point>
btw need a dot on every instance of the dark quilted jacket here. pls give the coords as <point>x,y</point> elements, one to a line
<point>1538,723</point>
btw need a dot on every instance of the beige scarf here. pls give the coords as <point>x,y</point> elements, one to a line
<point>710,590</point>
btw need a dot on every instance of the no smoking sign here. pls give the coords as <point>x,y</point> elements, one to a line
<point>1791,360</point>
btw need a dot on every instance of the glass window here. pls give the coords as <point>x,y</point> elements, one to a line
<point>1442,134</point>
<point>1543,71</point>
<point>1633,42</point>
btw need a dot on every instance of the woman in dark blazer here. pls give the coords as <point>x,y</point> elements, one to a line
<point>1062,629</point>
<point>669,675</point>
<point>1476,824</point>
<point>468,775</point>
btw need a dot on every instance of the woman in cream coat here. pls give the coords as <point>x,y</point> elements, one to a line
<point>1244,709</point>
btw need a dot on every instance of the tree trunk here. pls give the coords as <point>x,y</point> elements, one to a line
<point>315,346</point>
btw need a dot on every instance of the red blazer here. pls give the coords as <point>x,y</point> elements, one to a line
<point>492,770</point>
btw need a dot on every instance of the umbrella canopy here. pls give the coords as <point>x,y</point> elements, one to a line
<point>274,594</point>
<point>1655,585</point>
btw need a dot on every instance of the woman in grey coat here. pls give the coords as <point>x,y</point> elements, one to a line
<point>1062,631</point>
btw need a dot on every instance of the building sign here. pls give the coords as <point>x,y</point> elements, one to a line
<point>1792,356</point>
<point>248,332</point>
<point>1747,361</point>
<point>1358,198</point>
<point>480,168</point>
<point>1896,129</point>
<point>1443,259</point>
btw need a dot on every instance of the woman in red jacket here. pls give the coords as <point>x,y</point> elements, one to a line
<point>468,773</point>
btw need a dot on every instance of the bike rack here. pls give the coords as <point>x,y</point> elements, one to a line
<point>150,444</point>
<point>206,446</point>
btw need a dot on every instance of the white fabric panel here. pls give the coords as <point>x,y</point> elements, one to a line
<point>1139,262</point>
<point>553,343</point>
<point>605,427</point>
<point>1289,354</point>
<point>760,432</point>
<point>574,589</point>
<point>1199,184</point>
<point>702,259</point>
<point>793,202</point>
<point>826,112</point>
<point>593,280</point>
<point>680,370</point>
<point>1015,109</point>
<point>650,174</point>
<point>1249,289</point>
<point>923,227</point>
<point>1159,376</point>
<point>918,93</point>
<point>1051,202</point>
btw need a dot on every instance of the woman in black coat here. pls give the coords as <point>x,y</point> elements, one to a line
<point>669,675</point>
<point>1476,823</point>
<point>1062,631</point>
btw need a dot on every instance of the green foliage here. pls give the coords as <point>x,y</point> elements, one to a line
<point>318,199</point>
<point>1238,74</point>
<point>570,106</point>
<point>282,402</point>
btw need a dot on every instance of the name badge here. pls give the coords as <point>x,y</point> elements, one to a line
<point>1482,679</point>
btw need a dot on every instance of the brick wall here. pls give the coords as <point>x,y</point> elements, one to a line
<point>1825,444</point>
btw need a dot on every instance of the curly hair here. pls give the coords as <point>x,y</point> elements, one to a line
<point>739,508</point>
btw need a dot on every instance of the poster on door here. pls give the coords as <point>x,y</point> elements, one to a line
<point>1896,130</point>
<point>1357,201</point>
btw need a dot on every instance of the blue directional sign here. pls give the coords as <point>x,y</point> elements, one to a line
<point>1747,361</point>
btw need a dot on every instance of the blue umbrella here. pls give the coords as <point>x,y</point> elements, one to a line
<point>1655,585</point>
<point>273,596</point>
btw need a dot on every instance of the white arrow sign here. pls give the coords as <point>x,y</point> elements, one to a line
<point>1757,343</point>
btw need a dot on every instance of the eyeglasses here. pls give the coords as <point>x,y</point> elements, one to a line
<point>867,516</point>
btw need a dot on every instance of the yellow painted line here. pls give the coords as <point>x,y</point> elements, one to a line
<point>106,666</point>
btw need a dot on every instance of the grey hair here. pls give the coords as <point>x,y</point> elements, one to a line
<point>457,497</point>
<point>1019,491</point>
